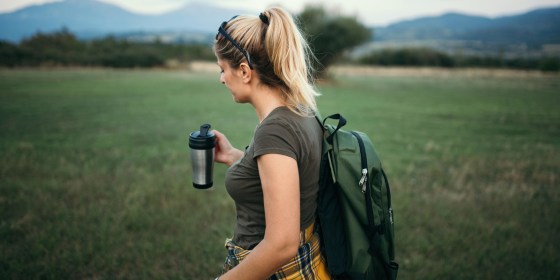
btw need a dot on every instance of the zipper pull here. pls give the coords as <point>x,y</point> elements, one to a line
<point>391,215</point>
<point>363,180</point>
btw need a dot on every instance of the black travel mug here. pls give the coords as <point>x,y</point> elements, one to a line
<point>202,144</point>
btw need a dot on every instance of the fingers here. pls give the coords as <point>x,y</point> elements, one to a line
<point>225,152</point>
<point>222,147</point>
<point>221,140</point>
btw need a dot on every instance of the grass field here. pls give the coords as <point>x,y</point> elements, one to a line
<point>95,181</point>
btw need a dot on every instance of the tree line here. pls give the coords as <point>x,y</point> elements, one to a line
<point>62,48</point>
<point>434,58</point>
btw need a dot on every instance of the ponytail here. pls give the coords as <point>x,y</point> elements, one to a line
<point>278,52</point>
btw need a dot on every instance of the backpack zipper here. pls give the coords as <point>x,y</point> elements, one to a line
<point>363,180</point>
<point>388,195</point>
<point>362,183</point>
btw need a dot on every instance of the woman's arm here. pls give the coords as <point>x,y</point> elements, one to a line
<point>280,183</point>
<point>225,152</point>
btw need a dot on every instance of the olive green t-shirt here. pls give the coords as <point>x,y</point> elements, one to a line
<point>281,132</point>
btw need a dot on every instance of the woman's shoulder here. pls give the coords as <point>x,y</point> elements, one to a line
<point>279,118</point>
<point>283,115</point>
<point>282,118</point>
<point>284,122</point>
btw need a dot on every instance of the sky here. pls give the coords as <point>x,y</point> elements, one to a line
<point>370,12</point>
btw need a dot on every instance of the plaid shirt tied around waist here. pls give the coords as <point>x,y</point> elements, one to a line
<point>309,263</point>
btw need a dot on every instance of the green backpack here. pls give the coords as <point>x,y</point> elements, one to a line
<point>354,207</point>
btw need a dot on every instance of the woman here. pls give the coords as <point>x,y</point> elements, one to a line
<point>274,182</point>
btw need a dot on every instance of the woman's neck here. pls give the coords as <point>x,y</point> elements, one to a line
<point>266,100</point>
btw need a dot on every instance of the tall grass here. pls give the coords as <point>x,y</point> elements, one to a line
<point>95,181</point>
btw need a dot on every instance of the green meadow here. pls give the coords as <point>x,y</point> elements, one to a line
<point>95,180</point>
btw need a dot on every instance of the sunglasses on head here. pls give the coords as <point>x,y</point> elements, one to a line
<point>222,31</point>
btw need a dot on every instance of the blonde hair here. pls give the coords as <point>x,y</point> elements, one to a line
<point>277,52</point>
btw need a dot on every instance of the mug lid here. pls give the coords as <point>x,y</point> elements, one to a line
<point>202,139</point>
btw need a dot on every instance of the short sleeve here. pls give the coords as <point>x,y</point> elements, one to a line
<point>275,137</point>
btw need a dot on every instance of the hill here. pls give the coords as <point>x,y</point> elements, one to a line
<point>532,34</point>
<point>90,18</point>
<point>533,29</point>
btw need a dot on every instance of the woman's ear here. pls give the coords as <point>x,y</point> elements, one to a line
<point>246,72</point>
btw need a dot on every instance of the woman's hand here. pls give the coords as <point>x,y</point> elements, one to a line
<point>225,152</point>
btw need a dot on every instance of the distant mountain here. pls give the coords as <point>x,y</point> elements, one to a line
<point>199,22</point>
<point>90,18</point>
<point>534,28</point>
<point>446,26</point>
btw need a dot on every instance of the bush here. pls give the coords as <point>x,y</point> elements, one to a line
<point>549,64</point>
<point>10,54</point>
<point>409,57</point>
<point>429,57</point>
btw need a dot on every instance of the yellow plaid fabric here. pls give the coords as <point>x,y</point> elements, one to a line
<point>308,264</point>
